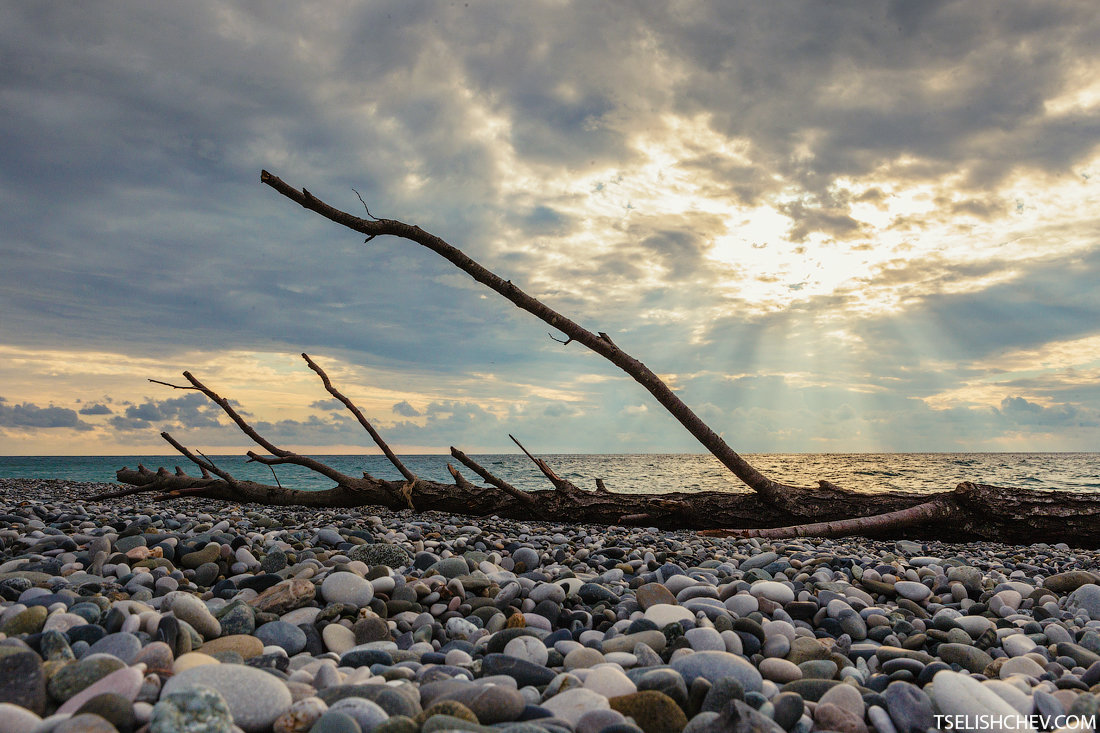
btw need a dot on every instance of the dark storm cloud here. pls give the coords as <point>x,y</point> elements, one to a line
<point>29,415</point>
<point>96,409</point>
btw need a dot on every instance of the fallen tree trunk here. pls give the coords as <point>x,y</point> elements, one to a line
<point>774,510</point>
<point>970,512</point>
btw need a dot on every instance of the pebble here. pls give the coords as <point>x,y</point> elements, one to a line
<point>255,698</point>
<point>370,620</point>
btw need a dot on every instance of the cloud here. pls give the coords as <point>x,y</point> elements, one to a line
<point>189,411</point>
<point>817,206</point>
<point>29,415</point>
<point>1024,413</point>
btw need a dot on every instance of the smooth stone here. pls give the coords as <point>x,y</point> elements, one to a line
<point>959,694</point>
<point>712,666</point>
<point>547,592</point>
<point>596,720</point>
<point>190,660</point>
<point>1011,694</point>
<point>490,703</point>
<point>1085,598</point>
<point>758,561</point>
<point>1020,665</point>
<point>664,614</point>
<point>245,645</point>
<point>1017,645</point>
<point>255,697</point>
<point>115,709</point>
<point>653,711</point>
<point>818,669</point>
<point>72,678</point>
<point>909,707</point>
<point>582,658</point>
<point>338,638</point>
<point>527,648</point>
<point>652,594</point>
<point>125,683</point>
<point>122,645</point>
<point>369,715</point>
<point>970,658</point>
<point>23,680</point>
<point>779,670</point>
<point>830,717</point>
<point>284,596</point>
<point>788,708</point>
<point>914,591</point>
<point>1070,581</point>
<point>773,591</point>
<point>189,608</point>
<point>348,588</point>
<point>450,567</point>
<point>703,639</point>
<point>336,722</point>
<point>283,635</point>
<point>609,681</point>
<point>655,640</point>
<point>197,708</point>
<point>523,672</point>
<point>845,697</point>
<point>571,704</point>
<point>15,718</point>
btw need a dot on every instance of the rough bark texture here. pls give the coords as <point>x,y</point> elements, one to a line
<point>772,509</point>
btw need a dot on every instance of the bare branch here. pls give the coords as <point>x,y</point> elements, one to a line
<point>365,208</point>
<point>263,442</point>
<point>206,465</point>
<point>460,480</point>
<point>492,480</point>
<point>173,386</point>
<point>563,342</point>
<point>559,483</point>
<point>409,475</point>
<point>601,488</point>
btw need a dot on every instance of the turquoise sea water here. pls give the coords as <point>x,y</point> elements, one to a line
<point>640,473</point>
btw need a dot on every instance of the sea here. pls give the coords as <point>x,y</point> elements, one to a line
<point>637,473</point>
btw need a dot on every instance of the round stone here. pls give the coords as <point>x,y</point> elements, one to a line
<point>284,635</point>
<point>779,670</point>
<point>347,588</point>
<point>338,638</point>
<point>664,614</point>
<point>713,666</point>
<point>194,708</point>
<point>609,682</point>
<point>528,648</point>
<point>772,590</point>
<point>254,697</point>
<point>369,715</point>
<point>189,608</point>
<point>912,590</point>
<point>574,703</point>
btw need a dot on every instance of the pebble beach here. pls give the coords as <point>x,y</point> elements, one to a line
<point>134,615</point>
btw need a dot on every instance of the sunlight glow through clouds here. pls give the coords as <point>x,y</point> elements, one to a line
<point>853,227</point>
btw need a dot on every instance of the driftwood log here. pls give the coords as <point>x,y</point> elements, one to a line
<point>971,511</point>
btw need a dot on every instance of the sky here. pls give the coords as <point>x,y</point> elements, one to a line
<point>831,227</point>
